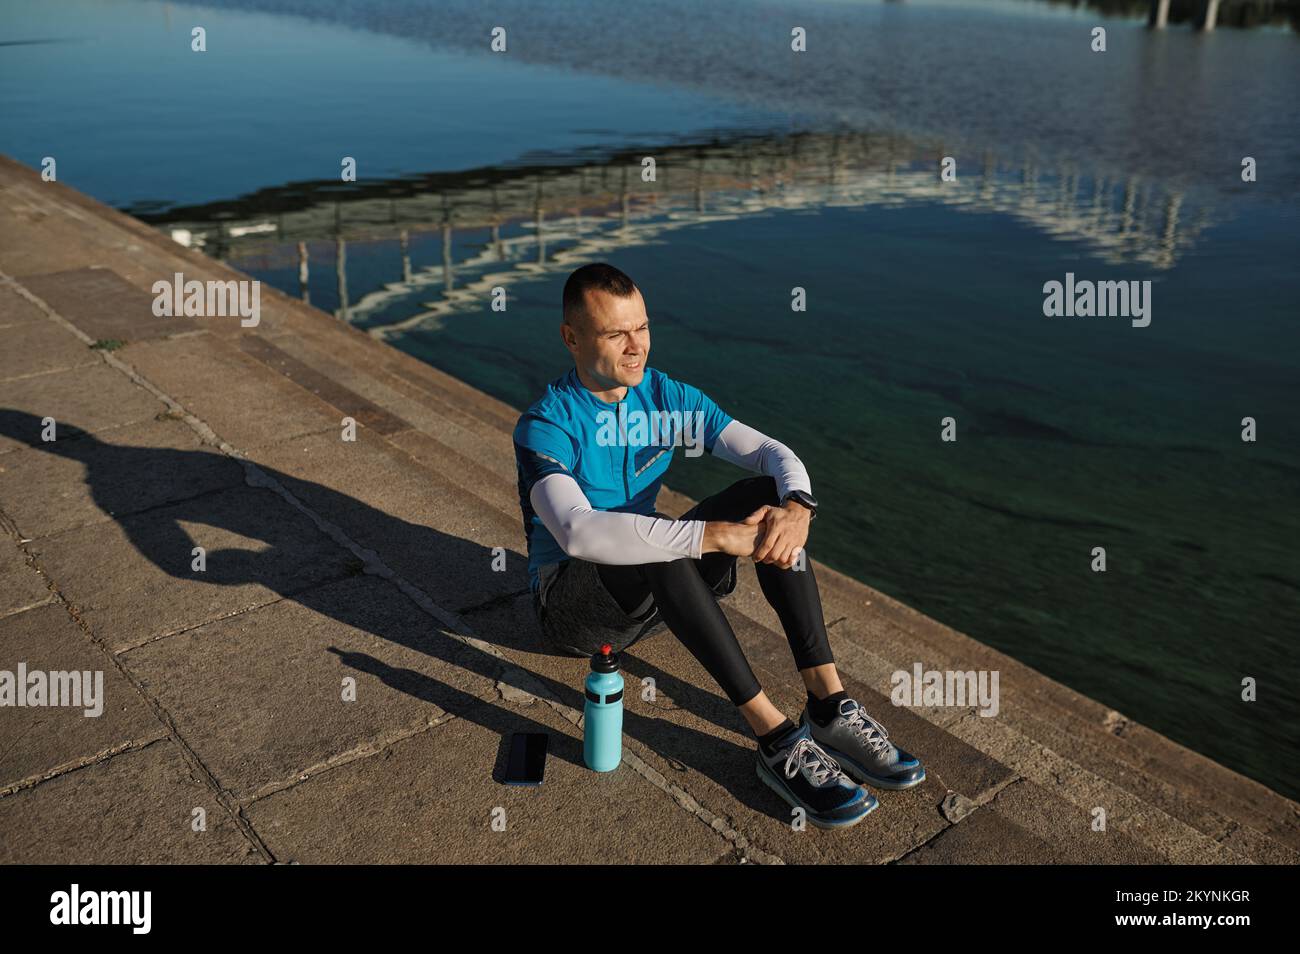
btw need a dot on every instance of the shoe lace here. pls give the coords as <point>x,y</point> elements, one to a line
<point>808,756</point>
<point>871,731</point>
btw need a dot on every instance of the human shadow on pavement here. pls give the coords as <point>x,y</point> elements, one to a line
<point>154,492</point>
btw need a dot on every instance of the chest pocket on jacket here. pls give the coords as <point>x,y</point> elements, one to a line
<point>646,456</point>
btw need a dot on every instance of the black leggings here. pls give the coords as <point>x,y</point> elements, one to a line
<point>683,590</point>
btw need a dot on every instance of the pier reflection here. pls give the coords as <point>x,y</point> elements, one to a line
<point>520,222</point>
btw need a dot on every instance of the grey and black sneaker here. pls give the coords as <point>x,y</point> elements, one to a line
<point>861,746</point>
<point>805,776</point>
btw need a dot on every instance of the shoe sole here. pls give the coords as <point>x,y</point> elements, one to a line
<point>764,773</point>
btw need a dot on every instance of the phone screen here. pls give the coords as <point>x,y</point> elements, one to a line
<point>527,758</point>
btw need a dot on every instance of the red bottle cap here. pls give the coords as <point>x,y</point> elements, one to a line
<point>605,660</point>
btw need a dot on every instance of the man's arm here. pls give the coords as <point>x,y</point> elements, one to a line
<point>785,529</point>
<point>745,447</point>
<point>603,536</point>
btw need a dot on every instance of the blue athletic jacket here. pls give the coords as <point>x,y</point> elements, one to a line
<point>569,430</point>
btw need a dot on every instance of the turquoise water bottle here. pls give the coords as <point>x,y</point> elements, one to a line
<point>602,724</point>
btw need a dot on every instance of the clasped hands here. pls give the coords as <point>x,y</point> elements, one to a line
<point>774,535</point>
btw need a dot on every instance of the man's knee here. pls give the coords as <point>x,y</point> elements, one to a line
<point>741,499</point>
<point>762,489</point>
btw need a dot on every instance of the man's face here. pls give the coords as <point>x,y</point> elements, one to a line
<point>613,342</point>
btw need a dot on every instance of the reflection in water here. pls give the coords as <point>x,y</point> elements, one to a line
<point>1202,14</point>
<point>587,211</point>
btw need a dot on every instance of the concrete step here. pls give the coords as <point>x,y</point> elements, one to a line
<point>1101,763</point>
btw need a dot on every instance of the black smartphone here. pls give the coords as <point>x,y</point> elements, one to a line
<point>527,758</point>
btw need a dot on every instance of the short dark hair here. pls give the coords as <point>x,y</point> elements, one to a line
<point>597,276</point>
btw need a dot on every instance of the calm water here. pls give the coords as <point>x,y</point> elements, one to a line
<point>925,298</point>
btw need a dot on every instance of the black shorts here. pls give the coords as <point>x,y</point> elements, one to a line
<point>578,615</point>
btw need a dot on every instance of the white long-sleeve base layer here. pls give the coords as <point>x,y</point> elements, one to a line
<point>603,536</point>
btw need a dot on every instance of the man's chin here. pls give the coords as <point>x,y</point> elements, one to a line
<point>630,379</point>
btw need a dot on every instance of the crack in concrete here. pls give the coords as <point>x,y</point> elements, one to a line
<point>233,614</point>
<point>354,754</point>
<point>915,848</point>
<point>66,768</point>
<point>162,715</point>
<point>31,606</point>
<point>118,517</point>
<point>38,374</point>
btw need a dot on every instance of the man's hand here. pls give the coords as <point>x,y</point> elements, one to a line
<point>784,531</point>
<point>735,539</point>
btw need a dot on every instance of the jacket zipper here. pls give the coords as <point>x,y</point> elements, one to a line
<point>627,487</point>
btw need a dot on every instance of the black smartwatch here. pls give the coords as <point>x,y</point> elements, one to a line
<point>802,498</point>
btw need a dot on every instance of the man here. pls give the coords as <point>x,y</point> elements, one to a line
<point>606,567</point>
